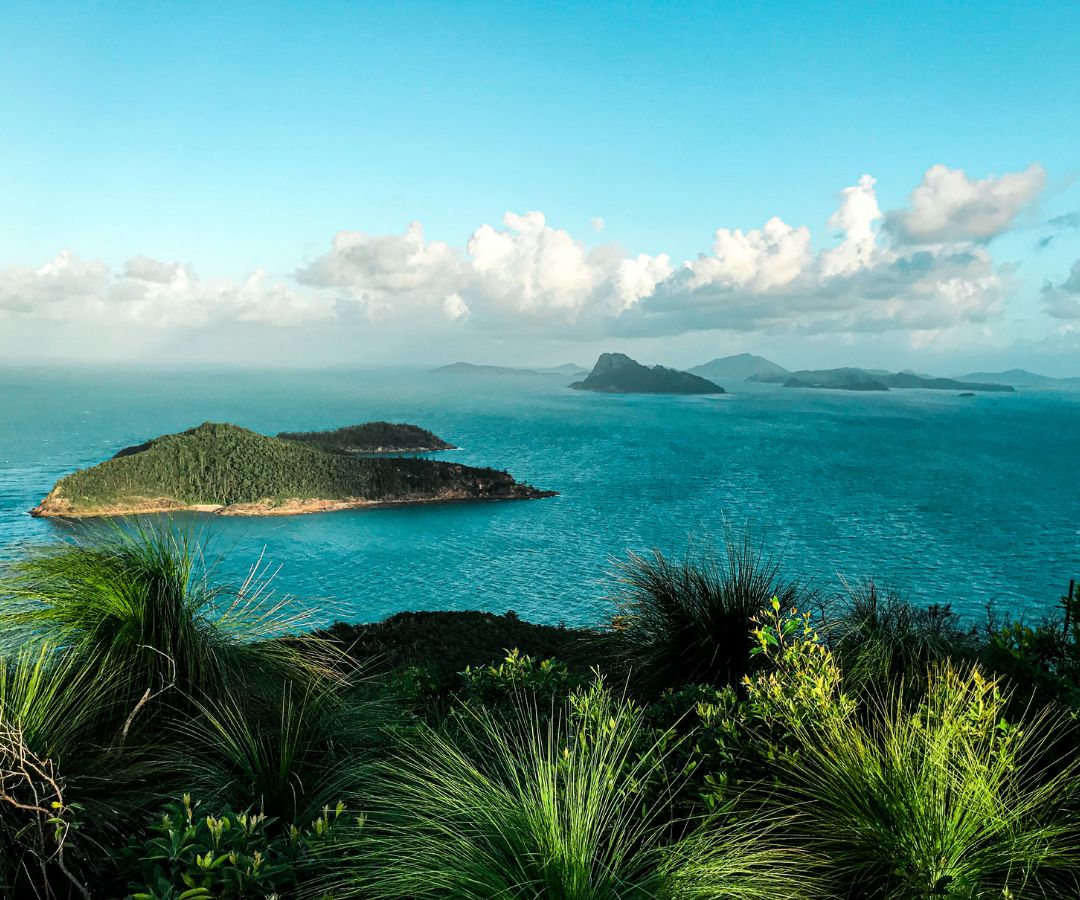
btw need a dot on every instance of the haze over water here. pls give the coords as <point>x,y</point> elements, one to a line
<point>966,501</point>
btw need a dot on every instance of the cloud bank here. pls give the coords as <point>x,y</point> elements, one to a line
<point>925,267</point>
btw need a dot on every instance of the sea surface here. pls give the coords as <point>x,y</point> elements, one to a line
<point>966,501</point>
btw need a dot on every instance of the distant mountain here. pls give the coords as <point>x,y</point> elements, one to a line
<point>464,368</point>
<point>739,367</point>
<point>1024,378</point>
<point>850,379</point>
<point>616,373</point>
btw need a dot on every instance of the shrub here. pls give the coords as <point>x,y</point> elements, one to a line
<point>235,855</point>
<point>948,799</point>
<point>689,622</point>
<point>36,823</point>
<point>140,601</point>
<point>879,637</point>
<point>570,807</point>
<point>286,759</point>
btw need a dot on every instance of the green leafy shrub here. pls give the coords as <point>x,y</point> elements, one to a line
<point>689,622</point>
<point>518,676</point>
<point>945,799</point>
<point>186,855</point>
<point>1044,658</point>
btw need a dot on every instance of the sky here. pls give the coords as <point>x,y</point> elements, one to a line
<point>882,183</point>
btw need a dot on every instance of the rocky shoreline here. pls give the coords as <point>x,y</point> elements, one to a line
<point>58,507</point>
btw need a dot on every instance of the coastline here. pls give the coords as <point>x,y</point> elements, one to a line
<point>60,507</point>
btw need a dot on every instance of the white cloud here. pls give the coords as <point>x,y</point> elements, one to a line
<point>150,293</point>
<point>454,307</point>
<point>1062,300</point>
<point>926,271</point>
<point>949,206</point>
<point>597,223</point>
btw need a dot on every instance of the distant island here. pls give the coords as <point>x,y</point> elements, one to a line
<point>228,470</point>
<point>372,437</point>
<point>617,373</point>
<point>1024,378</point>
<point>740,367</point>
<point>464,368</point>
<point>851,379</point>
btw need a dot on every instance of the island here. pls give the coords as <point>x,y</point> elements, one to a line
<point>740,367</point>
<point>617,373</point>
<point>465,368</point>
<point>852,379</point>
<point>228,470</point>
<point>372,437</point>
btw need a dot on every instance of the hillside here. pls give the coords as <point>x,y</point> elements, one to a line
<point>739,367</point>
<point>1024,378</point>
<point>852,379</point>
<point>372,437</point>
<point>233,471</point>
<point>616,373</point>
<point>465,368</point>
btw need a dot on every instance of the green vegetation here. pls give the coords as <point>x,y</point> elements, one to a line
<point>223,465</point>
<point>165,736</point>
<point>371,437</point>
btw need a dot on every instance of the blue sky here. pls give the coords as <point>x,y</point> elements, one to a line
<point>226,138</point>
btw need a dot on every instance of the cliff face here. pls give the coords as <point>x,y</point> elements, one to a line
<point>617,373</point>
<point>230,470</point>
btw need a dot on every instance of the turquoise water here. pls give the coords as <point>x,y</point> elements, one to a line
<point>957,500</point>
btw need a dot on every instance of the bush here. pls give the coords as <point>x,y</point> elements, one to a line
<point>947,798</point>
<point>231,856</point>
<point>139,601</point>
<point>689,622</point>
<point>880,638</point>
<point>570,807</point>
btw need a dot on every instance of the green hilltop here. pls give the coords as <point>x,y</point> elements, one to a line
<point>372,437</point>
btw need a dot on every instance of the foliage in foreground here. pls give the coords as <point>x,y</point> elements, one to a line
<point>129,677</point>
<point>689,621</point>
<point>573,806</point>
<point>945,797</point>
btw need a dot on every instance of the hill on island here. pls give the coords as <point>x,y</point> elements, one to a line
<point>617,373</point>
<point>1024,378</point>
<point>233,471</point>
<point>740,367</point>
<point>465,368</point>
<point>372,437</point>
<point>852,379</point>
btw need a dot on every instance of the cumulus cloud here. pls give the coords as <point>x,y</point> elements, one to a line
<point>597,223</point>
<point>924,269</point>
<point>949,206</point>
<point>150,293</point>
<point>1062,300</point>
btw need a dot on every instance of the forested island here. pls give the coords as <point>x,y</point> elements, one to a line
<point>617,373</point>
<point>229,470</point>
<point>372,437</point>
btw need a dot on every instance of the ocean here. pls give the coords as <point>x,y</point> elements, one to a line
<point>965,501</point>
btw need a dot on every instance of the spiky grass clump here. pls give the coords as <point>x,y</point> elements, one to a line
<point>689,621</point>
<point>139,600</point>
<point>564,807</point>
<point>943,800</point>
<point>879,637</point>
<point>307,749</point>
